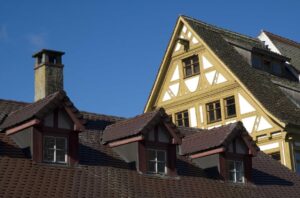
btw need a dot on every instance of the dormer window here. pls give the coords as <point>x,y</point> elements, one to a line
<point>157,161</point>
<point>236,171</point>
<point>55,150</point>
<point>191,66</point>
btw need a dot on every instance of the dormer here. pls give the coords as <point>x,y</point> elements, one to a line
<point>148,140</point>
<point>47,130</point>
<point>225,152</point>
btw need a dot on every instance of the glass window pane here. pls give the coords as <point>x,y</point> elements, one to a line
<point>151,155</point>
<point>231,165</point>
<point>217,105</point>
<point>239,177</point>
<point>218,114</point>
<point>239,166</point>
<point>188,71</point>
<point>151,166</point>
<point>60,143</point>
<point>231,110</point>
<point>60,156</point>
<point>49,142</point>
<point>49,155</point>
<point>232,176</point>
<point>179,123</point>
<point>161,167</point>
<point>161,156</point>
<point>196,68</point>
<point>211,116</point>
<point>186,122</point>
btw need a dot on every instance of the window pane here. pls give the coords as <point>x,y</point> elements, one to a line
<point>239,177</point>
<point>60,143</point>
<point>231,165</point>
<point>211,116</point>
<point>60,156</point>
<point>151,155</point>
<point>239,166</point>
<point>196,68</point>
<point>231,110</point>
<point>276,156</point>
<point>179,123</point>
<point>186,122</point>
<point>218,114</point>
<point>161,156</point>
<point>49,155</point>
<point>232,176</point>
<point>161,167</point>
<point>217,105</point>
<point>49,142</point>
<point>151,166</point>
<point>188,71</point>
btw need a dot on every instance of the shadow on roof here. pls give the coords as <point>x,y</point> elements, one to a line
<point>262,178</point>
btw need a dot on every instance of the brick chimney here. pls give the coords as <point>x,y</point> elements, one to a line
<point>48,73</point>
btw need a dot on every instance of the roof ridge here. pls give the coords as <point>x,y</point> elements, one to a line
<point>99,114</point>
<point>281,38</point>
<point>216,29</point>
<point>122,122</point>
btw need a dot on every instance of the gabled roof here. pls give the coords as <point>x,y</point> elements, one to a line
<point>205,139</point>
<point>287,48</point>
<point>219,41</point>
<point>135,126</point>
<point>38,109</point>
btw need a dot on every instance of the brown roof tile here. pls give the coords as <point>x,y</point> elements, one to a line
<point>102,173</point>
<point>132,126</point>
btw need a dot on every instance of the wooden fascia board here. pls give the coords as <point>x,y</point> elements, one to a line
<point>177,140</point>
<point>234,76</point>
<point>125,141</point>
<point>159,76</point>
<point>78,125</point>
<point>252,149</point>
<point>206,153</point>
<point>22,126</point>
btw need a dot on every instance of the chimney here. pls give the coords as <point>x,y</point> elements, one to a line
<point>48,73</point>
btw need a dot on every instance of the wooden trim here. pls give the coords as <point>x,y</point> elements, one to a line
<point>206,153</point>
<point>176,139</point>
<point>78,124</point>
<point>56,131</point>
<point>22,126</point>
<point>126,141</point>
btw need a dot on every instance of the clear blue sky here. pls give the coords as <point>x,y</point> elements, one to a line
<point>114,48</point>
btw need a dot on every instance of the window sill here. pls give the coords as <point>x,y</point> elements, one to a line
<point>187,77</point>
<point>229,117</point>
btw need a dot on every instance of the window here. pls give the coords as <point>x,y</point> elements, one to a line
<point>213,111</point>
<point>191,66</point>
<point>55,149</point>
<point>236,171</point>
<point>297,161</point>
<point>275,156</point>
<point>182,118</point>
<point>230,107</point>
<point>156,161</point>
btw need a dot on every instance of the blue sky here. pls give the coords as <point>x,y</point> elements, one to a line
<point>114,48</point>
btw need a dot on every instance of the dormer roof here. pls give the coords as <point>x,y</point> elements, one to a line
<point>39,109</point>
<point>204,140</point>
<point>139,125</point>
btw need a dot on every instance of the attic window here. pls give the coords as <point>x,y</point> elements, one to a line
<point>156,161</point>
<point>52,59</point>
<point>191,66</point>
<point>182,118</point>
<point>213,111</point>
<point>230,107</point>
<point>236,171</point>
<point>55,149</point>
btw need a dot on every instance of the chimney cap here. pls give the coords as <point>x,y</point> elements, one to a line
<point>47,51</point>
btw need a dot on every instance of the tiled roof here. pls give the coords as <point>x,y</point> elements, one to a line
<point>206,139</point>
<point>275,102</point>
<point>287,48</point>
<point>102,173</point>
<point>36,109</point>
<point>8,106</point>
<point>132,126</point>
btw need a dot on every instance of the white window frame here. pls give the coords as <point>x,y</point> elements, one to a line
<point>55,149</point>
<point>156,161</point>
<point>235,171</point>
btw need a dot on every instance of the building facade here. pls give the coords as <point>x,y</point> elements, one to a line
<point>211,77</point>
